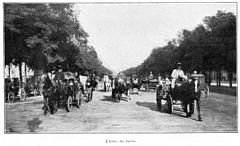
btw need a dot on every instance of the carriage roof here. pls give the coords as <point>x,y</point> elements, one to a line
<point>69,75</point>
<point>200,77</point>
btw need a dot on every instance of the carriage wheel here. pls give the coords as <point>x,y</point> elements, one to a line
<point>78,98</point>
<point>170,104</point>
<point>69,104</point>
<point>23,94</point>
<point>10,96</point>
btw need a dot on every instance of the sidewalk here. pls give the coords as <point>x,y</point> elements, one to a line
<point>224,84</point>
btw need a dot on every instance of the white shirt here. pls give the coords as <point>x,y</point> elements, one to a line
<point>178,73</point>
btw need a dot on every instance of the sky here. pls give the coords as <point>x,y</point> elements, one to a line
<point>125,34</point>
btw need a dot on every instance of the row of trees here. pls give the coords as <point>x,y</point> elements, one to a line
<point>45,35</point>
<point>209,47</point>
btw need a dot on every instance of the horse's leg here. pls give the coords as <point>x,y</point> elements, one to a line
<point>198,109</point>
<point>45,106</point>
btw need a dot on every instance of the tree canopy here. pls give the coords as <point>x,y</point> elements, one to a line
<point>210,46</point>
<point>44,35</point>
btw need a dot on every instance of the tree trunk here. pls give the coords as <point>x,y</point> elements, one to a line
<point>209,78</point>
<point>20,74</point>
<point>230,79</point>
<point>9,72</point>
<point>25,71</point>
<point>219,78</point>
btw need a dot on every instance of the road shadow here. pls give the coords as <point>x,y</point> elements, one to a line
<point>34,124</point>
<point>35,103</point>
<point>107,98</point>
<point>153,106</point>
<point>150,105</point>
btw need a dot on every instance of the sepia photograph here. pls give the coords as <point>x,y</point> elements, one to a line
<point>120,68</point>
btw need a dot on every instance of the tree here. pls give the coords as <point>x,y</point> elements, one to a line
<point>222,29</point>
<point>45,35</point>
<point>208,47</point>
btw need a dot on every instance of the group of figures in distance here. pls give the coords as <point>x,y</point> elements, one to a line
<point>183,90</point>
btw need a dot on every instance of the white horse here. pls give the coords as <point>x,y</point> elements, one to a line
<point>107,83</point>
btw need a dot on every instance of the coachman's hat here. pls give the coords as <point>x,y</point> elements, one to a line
<point>179,64</point>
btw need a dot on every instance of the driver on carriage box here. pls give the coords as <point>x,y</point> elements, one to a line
<point>177,74</point>
<point>59,77</point>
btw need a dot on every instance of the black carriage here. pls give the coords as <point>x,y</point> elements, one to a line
<point>71,91</point>
<point>32,86</point>
<point>152,84</point>
<point>185,92</point>
<point>149,84</point>
<point>134,85</point>
<point>62,93</point>
<point>13,90</point>
<point>119,89</point>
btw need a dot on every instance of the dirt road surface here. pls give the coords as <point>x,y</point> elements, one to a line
<point>138,115</point>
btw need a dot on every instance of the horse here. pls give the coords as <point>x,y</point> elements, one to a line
<point>107,83</point>
<point>107,86</point>
<point>119,88</point>
<point>91,85</point>
<point>49,95</point>
<point>135,84</point>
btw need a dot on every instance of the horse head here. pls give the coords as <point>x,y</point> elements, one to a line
<point>47,83</point>
<point>195,82</point>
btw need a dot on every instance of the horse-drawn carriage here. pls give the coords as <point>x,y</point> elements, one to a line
<point>63,94</point>
<point>186,91</point>
<point>32,86</point>
<point>13,90</point>
<point>120,87</point>
<point>133,84</point>
<point>90,86</point>
<point>149,84</point>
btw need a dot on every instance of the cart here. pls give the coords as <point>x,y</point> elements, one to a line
<point>13,90</point>
<point>184,92</point>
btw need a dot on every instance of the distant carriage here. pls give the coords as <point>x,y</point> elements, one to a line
<point>186,92</point>
<point>33,86</point>
<point>135,85</point>
<point>120,87</point>
<point>149,84</point>
<point>63,94</point>
<point>13,90</point>
<point>91,84</point>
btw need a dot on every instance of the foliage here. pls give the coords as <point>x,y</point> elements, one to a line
<point>209,47</point>
<point>45,35</point>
